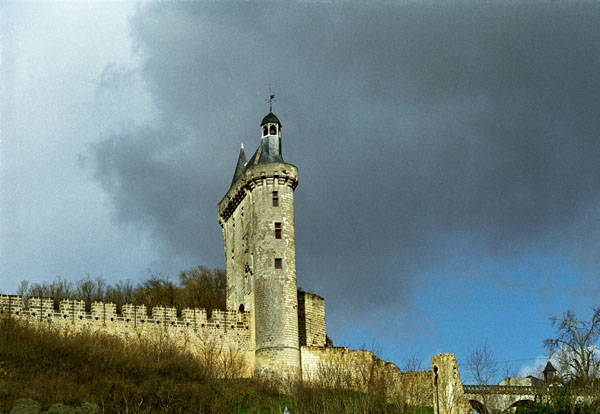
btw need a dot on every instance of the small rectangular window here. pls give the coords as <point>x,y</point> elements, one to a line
<point>278,263</point>
<point>275,199</point>
<point>278,230</point>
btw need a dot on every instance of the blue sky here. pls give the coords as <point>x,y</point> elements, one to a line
<point>448,155</point>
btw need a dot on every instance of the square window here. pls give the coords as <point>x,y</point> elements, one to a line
<point>278,230</point>
<point>275,199</point>
<point>278,264</point>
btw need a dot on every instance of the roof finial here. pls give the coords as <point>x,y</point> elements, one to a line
<point>271,99</point>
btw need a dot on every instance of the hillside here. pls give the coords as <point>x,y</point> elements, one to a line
<point>98,373</point>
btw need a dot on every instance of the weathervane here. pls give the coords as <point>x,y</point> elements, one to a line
<point>271,99</point>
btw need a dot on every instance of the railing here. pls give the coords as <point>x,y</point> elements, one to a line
<point>503,389</point>
<point>529,390</point>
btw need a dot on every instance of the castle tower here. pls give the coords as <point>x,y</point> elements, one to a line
<point>257,219</point>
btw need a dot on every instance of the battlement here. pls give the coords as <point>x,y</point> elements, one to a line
<point>11,304</point>
<point>71,308</point>
<point>283,174</point>
<point>225,337</point>
<point>230,327</point>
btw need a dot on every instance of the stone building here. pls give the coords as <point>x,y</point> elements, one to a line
<point>257,218</point>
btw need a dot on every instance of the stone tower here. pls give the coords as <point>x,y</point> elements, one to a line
<point>257,218</point>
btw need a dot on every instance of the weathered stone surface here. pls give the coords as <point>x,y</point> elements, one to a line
<point>311,319</point>
<point>223,336</point>
<point>261,268</point>
<point>448,393</point>
<point>257,218</point>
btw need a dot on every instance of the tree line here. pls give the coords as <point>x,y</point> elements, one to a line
<point>200,287</point>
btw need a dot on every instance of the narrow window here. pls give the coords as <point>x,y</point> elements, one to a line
<point>278,263</point>
<point>273,130</point>
<point>275,199</point>
<point>278,230</point>
<point>265,131</point>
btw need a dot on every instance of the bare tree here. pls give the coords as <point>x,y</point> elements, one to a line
<point>200,287</point>
<point>575,346</point>
<point>481,364</point>
<point>413,362</point>
<point>508,370</point>
<point>413,386</point>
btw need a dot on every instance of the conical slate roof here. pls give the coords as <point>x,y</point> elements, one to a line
<point>262,156</point>
<point>241,165</point>
<point>549,368</point>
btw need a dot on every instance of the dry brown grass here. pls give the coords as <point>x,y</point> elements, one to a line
<point>72,369</point>
<point>119,377</point>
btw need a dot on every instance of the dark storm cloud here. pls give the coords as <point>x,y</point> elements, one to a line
<point>415,128</point>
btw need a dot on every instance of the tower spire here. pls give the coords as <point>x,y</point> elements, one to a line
<point>241,164</point>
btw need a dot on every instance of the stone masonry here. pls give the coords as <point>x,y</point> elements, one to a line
<point>288,332</point>
<point>311,319</point>
<point>257,218</point>
<point>226,333</point>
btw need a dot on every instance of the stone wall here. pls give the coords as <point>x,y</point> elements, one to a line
<point>360,369</point>
<point>413,388</point>
<point>448,393</point>
<point>311,319</point>
<point>522,382</point>
<point>227,333</point>
<point>337,366</point>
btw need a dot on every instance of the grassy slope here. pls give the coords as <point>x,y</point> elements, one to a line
<point>101,369</point>
<point>52,368</point>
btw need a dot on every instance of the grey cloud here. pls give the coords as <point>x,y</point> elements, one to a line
<point>115,78</point>
<point>413,127</point>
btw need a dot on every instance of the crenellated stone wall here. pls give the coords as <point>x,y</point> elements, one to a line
<point>225,332</point>
<point>228,331</point>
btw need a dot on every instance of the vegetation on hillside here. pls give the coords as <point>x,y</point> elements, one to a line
<point>563,401</point>
<point>200,287</point>
<point>89,371</point>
